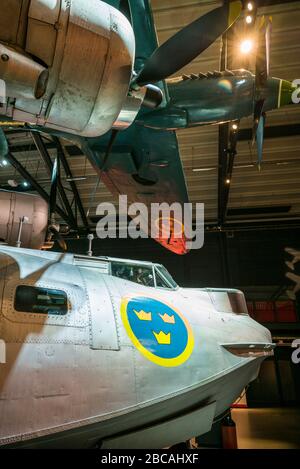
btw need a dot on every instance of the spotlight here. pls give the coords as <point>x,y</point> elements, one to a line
<point>4,163</point>
<point>249,19</point>
<point>246,46</point>
<point>250,6</point>
<point>228,181</point>
<point>25,184</point>
<point>234,127</point>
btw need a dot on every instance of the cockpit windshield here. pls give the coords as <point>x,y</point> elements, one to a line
<point>163,278</point>
<point>141,274</point>
<point>155,276</point>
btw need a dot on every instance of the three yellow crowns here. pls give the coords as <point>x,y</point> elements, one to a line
<point>162,338</point>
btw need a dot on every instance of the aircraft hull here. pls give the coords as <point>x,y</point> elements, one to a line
<point>80,378</point>
<point>121,431</point>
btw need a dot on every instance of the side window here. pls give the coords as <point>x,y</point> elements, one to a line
<point>41,301</point>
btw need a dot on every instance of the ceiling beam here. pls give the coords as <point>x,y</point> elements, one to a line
<point>61,152</point>
<point>35,185</point>
<point>48,162</point>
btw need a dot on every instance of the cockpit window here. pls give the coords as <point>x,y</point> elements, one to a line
<point>41,301</point>
<point>147,275</point>
<point>160,281</point>
<point>141,274</point>
<point>163,278</point>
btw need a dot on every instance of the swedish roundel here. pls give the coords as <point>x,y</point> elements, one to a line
<point>160,332</point>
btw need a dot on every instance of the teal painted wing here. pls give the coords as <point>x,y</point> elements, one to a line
<point>143,26</point>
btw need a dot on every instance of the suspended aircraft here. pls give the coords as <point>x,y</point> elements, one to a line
<point>84,69</point>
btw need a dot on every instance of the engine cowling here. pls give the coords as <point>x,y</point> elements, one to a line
<point>74,64</point>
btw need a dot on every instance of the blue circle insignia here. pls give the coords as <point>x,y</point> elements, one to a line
<point>158,330</point>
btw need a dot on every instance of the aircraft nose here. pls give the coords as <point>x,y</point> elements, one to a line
<point>252,340</point>
<point>252,330</point>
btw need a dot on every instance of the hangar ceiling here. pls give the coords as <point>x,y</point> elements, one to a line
<point>273,194</point>
<point>277,185</point>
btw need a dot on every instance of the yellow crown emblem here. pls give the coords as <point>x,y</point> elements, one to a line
<point>143,316</point>
<point>162,338</point>
<point>168,319</point>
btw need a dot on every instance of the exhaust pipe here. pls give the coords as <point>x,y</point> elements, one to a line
<point>23,77</point>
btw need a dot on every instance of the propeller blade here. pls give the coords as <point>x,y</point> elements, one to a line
<point>125,8</point>
<point>263,57</point>
<point>261,83</point>
<point>260,139</point>
<point>58,238</point>
<point>258,112</point>
<point>188,43</point>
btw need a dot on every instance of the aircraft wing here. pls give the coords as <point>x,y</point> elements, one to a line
<point>145,165</point>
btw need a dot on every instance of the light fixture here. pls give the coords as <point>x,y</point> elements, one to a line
<point>249,19</point>
<point>4,163</point>
<point>244,166</point>
<point>250,6</point>
<point>235,126</point>
<point>198,170</point>
<point>228,181</point>
<point>12,183</point>
<point>25,184</point>
<point>76,179</point>
<point>246,46</point>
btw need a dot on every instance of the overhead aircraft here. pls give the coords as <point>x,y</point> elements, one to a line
<point>112,353</point>
<point>82,70</point>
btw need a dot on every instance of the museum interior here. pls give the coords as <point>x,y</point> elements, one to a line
<point>251,196</point>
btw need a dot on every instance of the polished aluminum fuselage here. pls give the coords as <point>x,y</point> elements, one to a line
<point>76,380</point>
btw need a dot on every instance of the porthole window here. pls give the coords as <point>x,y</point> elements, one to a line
<point>41,301</point>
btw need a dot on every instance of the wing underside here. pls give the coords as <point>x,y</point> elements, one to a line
<point>145,165</point>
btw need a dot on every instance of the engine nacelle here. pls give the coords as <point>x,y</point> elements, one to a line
<point>72,65</point>
<point>16,206</point>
